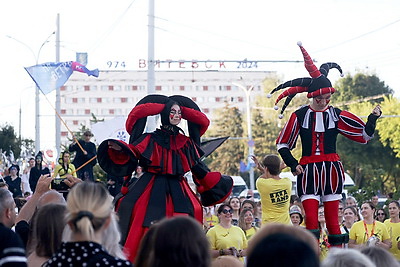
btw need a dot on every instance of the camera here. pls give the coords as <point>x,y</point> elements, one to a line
<point>59,185</point>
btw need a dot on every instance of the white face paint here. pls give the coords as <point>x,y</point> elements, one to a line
<point>175,115</point>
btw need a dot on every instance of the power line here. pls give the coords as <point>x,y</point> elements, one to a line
<point>359,36</point>
<point>111,29</point>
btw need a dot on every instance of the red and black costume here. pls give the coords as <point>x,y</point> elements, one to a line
<point>165,155</point>
<point>323,176</point>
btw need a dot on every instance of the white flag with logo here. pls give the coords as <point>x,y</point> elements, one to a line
<point>110,129</point>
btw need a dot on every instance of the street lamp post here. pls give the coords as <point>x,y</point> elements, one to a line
<point>250,142</point>
<point>37,114</point>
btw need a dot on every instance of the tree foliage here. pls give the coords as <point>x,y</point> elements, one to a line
<point>374,167</point>
<point>9,142</point>
<point>359,86</point>
<point>228,122</point>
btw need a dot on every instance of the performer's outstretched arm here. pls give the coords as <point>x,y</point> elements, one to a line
<point>117,157</point>
<point>355,129</point>
<point>213,187</point>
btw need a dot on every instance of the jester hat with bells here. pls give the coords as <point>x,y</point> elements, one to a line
<point>317,85</point>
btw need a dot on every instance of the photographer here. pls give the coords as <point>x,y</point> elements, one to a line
<point>62,170</point>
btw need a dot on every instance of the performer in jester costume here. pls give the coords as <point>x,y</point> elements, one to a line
<point>165,156</point>
<point>320,174</point>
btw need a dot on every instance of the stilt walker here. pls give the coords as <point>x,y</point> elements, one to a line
<point>165,156</point>
<point>320,173</point>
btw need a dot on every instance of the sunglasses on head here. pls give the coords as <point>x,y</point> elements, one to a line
<point>227,211</point>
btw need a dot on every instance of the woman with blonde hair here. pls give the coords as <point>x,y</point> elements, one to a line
<point>89,207</point>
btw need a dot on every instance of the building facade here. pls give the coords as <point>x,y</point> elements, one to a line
<point>115,93</point>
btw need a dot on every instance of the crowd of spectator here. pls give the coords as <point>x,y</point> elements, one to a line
<point>49,230</point>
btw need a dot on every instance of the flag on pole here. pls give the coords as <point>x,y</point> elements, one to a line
<point>50,76</point>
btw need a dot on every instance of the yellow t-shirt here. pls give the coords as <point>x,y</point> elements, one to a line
<point>357,232</point>
<point>222,238</point>
<point>275,199</point>
<point>251,232</point>
<point>62,173</point>
<point>394,233</point>
<point>212,220</point>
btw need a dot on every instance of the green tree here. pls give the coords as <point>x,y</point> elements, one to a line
<point>226,158</point>
<point>9,142</point>
<point>359,86</point>
<point>389,125</point>
<point>371,166</point>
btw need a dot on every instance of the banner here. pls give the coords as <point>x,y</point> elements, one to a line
<point>50,76</point>
<point>110,129</point>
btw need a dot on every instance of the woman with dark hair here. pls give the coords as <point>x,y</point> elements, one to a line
<point>393,225</point>
<point>279,245</point>
<point>350,216</point>
<point>37,170</point>
<point>180,241</point>
<point>62,170</point>
<point>380,215</point>
<point>49,223</point>
<point>369,231</point>
<point>234,202</point>
<point>14,181</point>
<point>165,156</point>
<point>225,238</point>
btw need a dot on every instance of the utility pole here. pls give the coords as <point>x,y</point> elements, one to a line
<point>58,97</point>
<point>250,141</point>
<point>151,122</point>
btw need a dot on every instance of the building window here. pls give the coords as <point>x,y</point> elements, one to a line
<point>75,122</point>
<point>104,88</point>
<point>116,88</point>
<point>62,88</point>
<point>111,111</point>
<point>158,88</point>
<point>206,110</point>
<point>182,88</point>
<point>87,111</point>
<point>87,88</point>
<point>205,88</point>
<point>74,100</point>
<point>64,133</point>
<point>124,100</point>
<point>63,111</point>
<point>99,100</point>
<point>110,88</point>
<point>93,88</point>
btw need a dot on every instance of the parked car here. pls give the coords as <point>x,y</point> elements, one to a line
<point>245,193</point>
<point>238,185</point>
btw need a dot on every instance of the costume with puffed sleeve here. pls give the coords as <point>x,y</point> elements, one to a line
<point>165,156</point>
